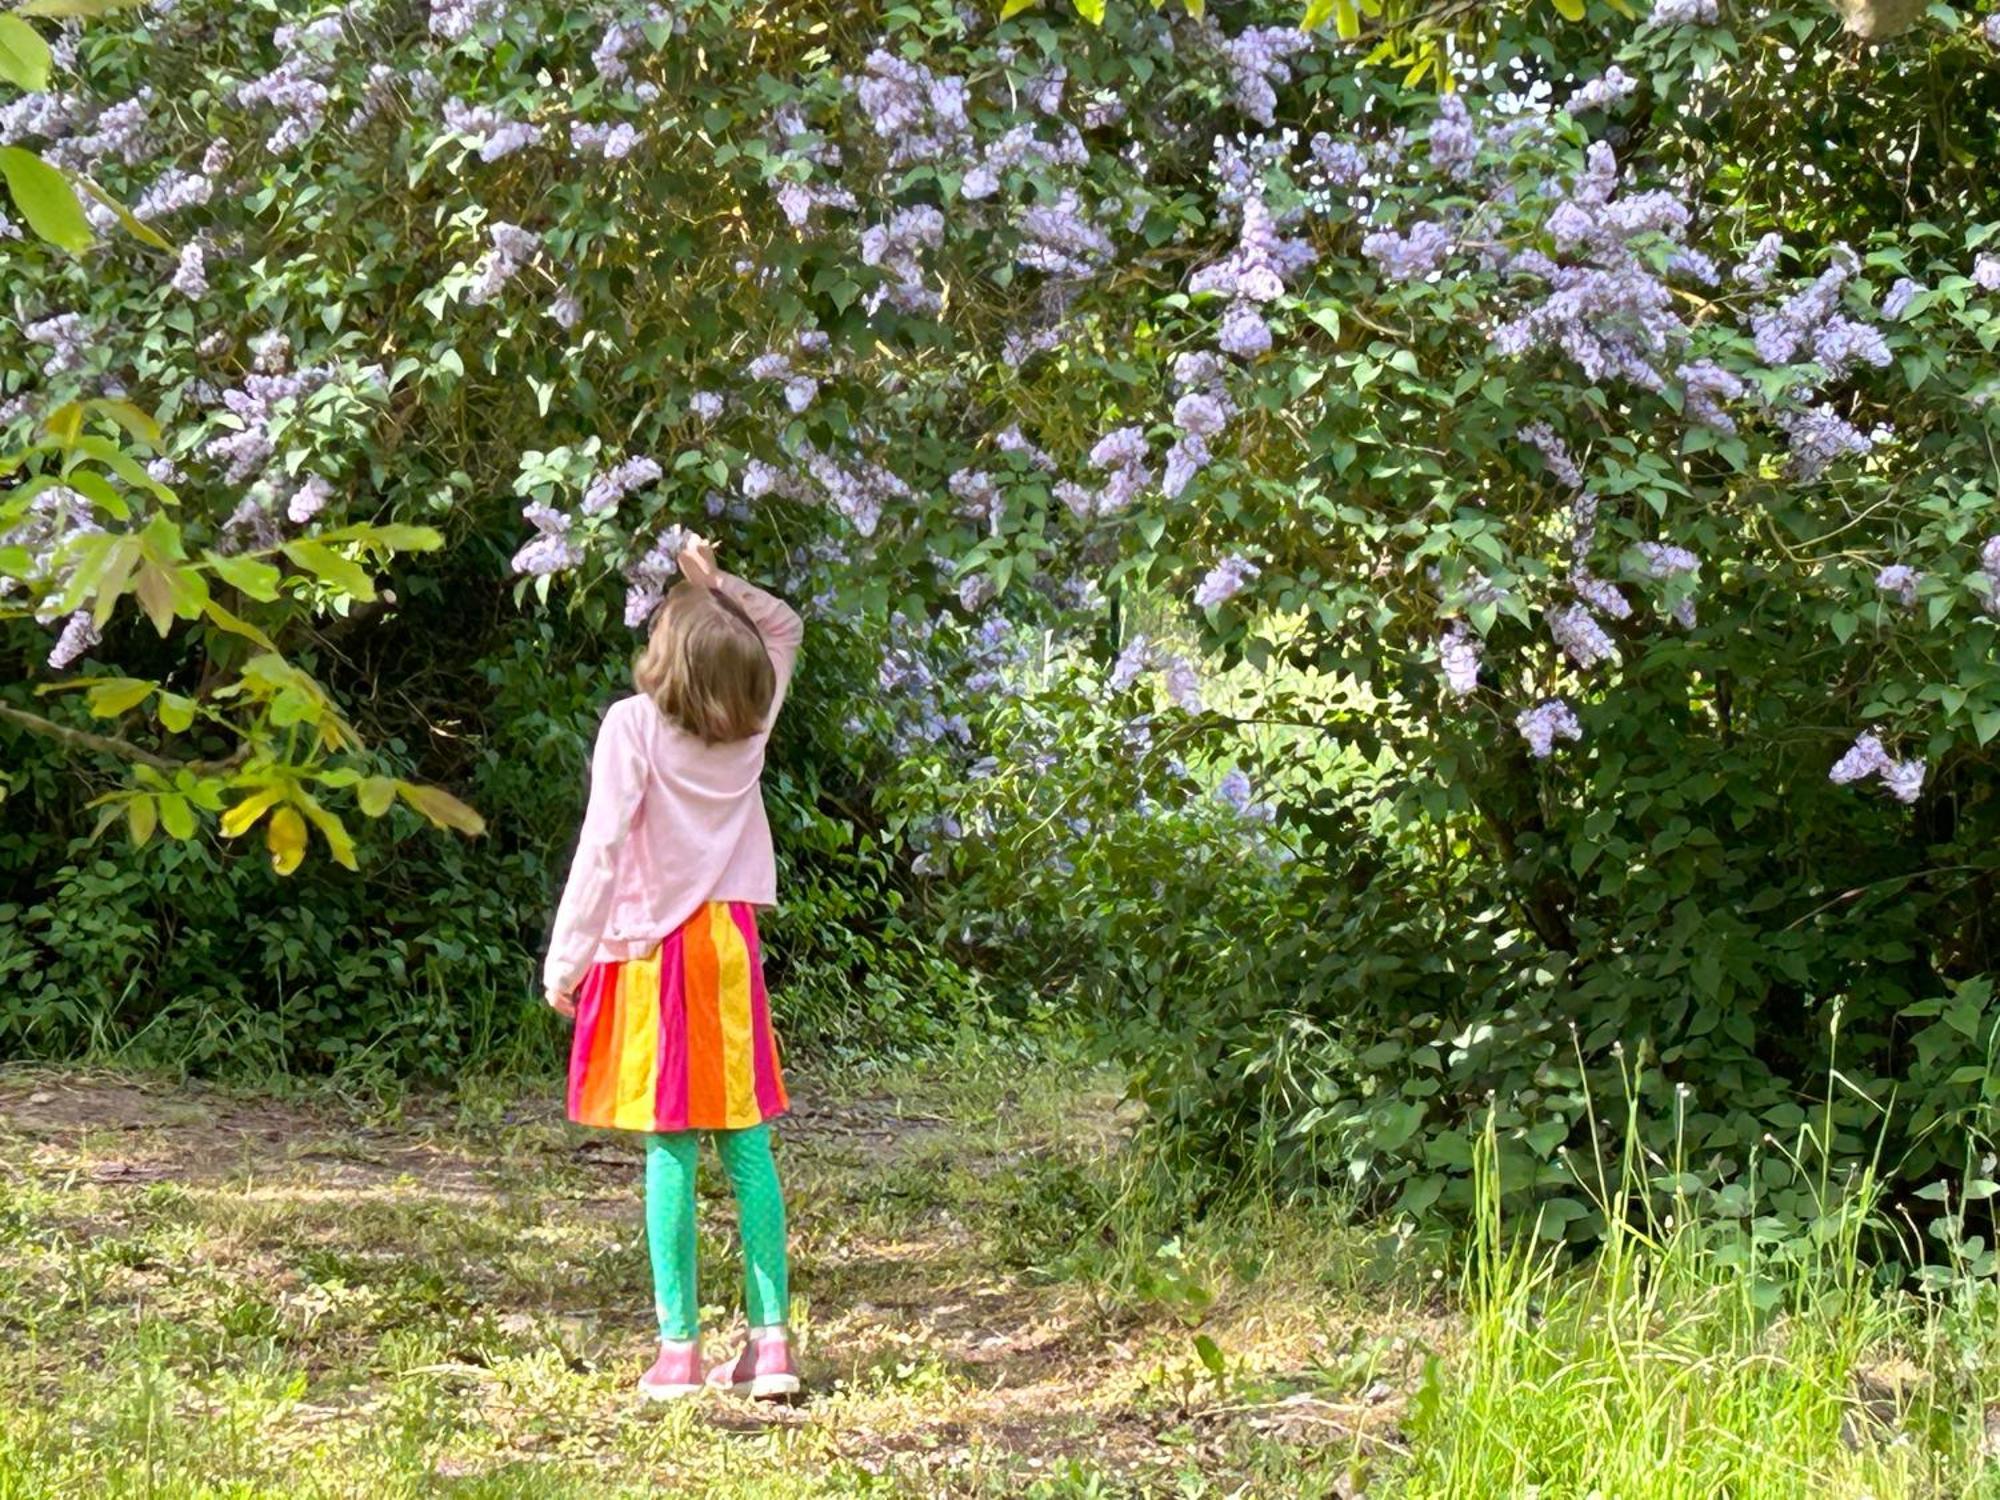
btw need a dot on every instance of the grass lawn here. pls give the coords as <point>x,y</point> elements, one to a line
<point>214,1293</point>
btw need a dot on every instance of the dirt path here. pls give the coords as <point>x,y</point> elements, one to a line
<point>320,1298</point>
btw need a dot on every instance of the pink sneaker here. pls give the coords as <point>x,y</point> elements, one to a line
<point>763,1371</point>
<point>675,1374</point>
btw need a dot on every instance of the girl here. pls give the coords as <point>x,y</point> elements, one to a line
<point>655,953</point>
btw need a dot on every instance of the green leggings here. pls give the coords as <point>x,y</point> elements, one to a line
<point>670,1227</point>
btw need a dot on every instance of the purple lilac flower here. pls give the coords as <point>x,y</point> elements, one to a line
<point>550,550</point>
<point>1187,457</point>
<point>1010,440</point>
<point>1545,723</point>
<point>1022,148</point>
<point>1234,791</point>
<point>1125,446</point>
<point>1244,332</point>
<point>455,20</point>
<point>610,486</point>
<point>1757,267</point>
<point>706,405</point>
<point>172,192</point>
<point>1782,331</point>
<point>920,113</point>
<point>1704,386</point>
<point>1600,594</point>
<point>1582,639</point>
<point>1225,581</point>
<point>1410,257</point>
<point>493,134</point>
<point>611,142</point>
<point>977,495</point>
<point>1555,453</point>
<point>1899,297</point>
<point>1134,660</point>
<point>1263,260</point>
<point>190,278</point>
<point>308,500</point>
<point>1986,273</point>
<point>859,492</point>
<point>1057,238</point>
<point>1902,779</point>
<point>1459,652</point>
<point>893,247</point>
<point>1901,581</point>
<point>77,636</point>
<point>1256,61</point>
<point>1613,87</point>
<point>565,311</point>
<point>68,338</point>
<point>1454,143</point>
<point>647,579</point>
<point>1991,27</point>
<point>1818,435</point>
<point>1183,684</point>
<point>1840,343</point>
<point>1989,564</point>
<point>1683,13</point>
<point>1201,414</point>
<point>297,88</point>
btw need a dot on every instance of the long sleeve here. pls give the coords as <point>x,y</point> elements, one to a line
<point>617,783</point>
<point>777,622</point>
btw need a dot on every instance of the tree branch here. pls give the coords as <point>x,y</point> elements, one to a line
<point>104,744</point>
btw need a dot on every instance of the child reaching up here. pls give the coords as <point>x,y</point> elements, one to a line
<point>655,953</point>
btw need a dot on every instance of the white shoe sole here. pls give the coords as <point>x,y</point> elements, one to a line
<point>766,1387</point>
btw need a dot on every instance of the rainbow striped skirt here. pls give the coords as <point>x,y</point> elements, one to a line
<point>680,1039</point>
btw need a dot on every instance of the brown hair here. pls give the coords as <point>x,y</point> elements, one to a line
<point>706,667</point>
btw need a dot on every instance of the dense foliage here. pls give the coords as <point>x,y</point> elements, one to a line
<point>1589,470</point>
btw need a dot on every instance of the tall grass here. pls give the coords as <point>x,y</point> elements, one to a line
<point>1696,1354</point>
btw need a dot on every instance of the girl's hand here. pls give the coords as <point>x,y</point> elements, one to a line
<point>562,1003</point>
<point>697,562</point>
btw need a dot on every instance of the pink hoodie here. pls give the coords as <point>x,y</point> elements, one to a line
<point>672,823</point>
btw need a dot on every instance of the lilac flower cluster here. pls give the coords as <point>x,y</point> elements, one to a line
<point>308,500</point>
<point>1705,385</point>
<point>54,518</point>
<point>513,247</point>
<point>1545,723</point>
<point>1235,793</point>
<point>1900,581</point>
<point>1986,273</point>
<point>978,497</point>
<point>893,247</point>
<point>1408,257</point>
<point>1459,653</point>
<point>551,549</point>
<point>1989,564</point>
<point>297,88</point>
<point>921,114</point>
<point>1810,319</point>
<point>1021,148</point>
<point>190,277</point>
<point>67,337</point>
<point>1141,656</point>
<point>1555,453</point>
<point>706,405</point>
<point>800,389</point>
<point>1991,29</point>
<point>565,311</point>
<point>173,191</point>
<point>1614,86</point>
<point>1121,457</point>
<point>647,579</point>
<point>1225,581</point>
<point>257,406</point>
<point>1817,436</point>
<point>859,490</point>
<point>1756,269</point>
<point>611,142</point>
<point>1901,779</point>
<point>455,20</point>
<point>492,134</point>
<point>1582,639</point>
<point>1254,273</point>
<point>1899,297</point>
<point>609,487</point>
<point>1257,59</point>
<point>1453,140</point>
<point>1683,13</point>
<point>1058,238</point>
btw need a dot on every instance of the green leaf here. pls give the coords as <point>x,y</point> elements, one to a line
<point>374,795</point>
<point>443,809</point>
<point>338,842</point>
<point>1091,10</point>
<point>24,56</point>
<point>46,199</point>
<point>134,419</point>
<point>176,713</point>
<point>67,9</point>
<point>235,625</point>
<point>1015,7</point>
<point>324,563</point>
<point>1318,13</point>
<point>1569,10</point>
<point>114,695</point>
<point>1209,1354</point>
<point>143,816</point>
<point>176,816</point>
<point>249,575</point>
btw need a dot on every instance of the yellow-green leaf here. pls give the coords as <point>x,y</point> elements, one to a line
<point>1196,8</point>
<point>114,695</point>
<point>244,815</point>
<point>338,843</point>
<point>393,536</point>
<point>1015,7</point>
<point>176,816</point>
<point>374,795</point>
<point>176,713</point>
<point>1569,10</point>
<point>1346,20</point>
<point>326,564</point>
<point>1318,13</point>
<point>1091,10</point>
<point>46,199</point>
<point>69,8</point>
<point>249,575</point>
<point>64,423</point>
<point>235,626</point>
<point>285,837</point>
<point>142,815</point>
<point>134,419</point>
<point>24,56</point>
<point>138,228</point>
<point>155,588</point>
<point>443,809</point>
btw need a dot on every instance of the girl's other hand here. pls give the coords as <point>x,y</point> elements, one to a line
<point>697,562</point>
<point>562,1003</point>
